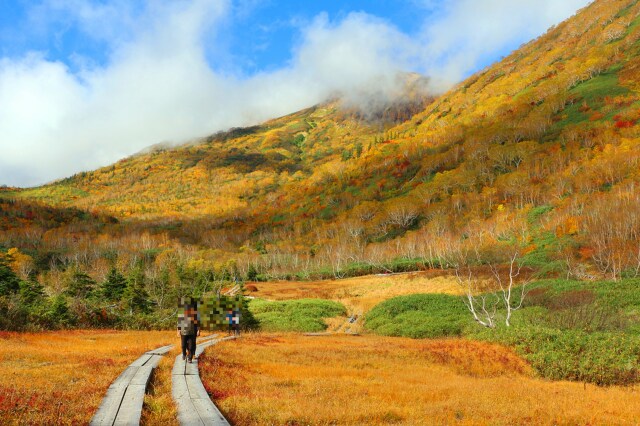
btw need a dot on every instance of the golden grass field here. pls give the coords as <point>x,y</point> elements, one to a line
<point>60,377</point>
<point>359,294</point>
<point>368,290</point>
<point>290,379</point>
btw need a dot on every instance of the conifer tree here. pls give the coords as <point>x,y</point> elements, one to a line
<point>135,294</point>
<point>9,281</point>
<point>31,291</point>
<point>81,285</point>
<point>252,273</point>
<point>114,285</point>
<point>59,313</point>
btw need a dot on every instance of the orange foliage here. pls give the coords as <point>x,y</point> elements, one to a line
<point>571,226</point>
<point>61,377</point>
<point>294,379</point>
<point>527,131</point>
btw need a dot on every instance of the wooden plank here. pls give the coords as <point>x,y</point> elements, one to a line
<point>191,368</point>
<point>211,336</point>
<point>193,402</point>
<point>142,376</point>
<point>125,396</point>
<point>178,366</point>
<point>199,350</point>
<point>154,361</point>
<point>196,388</point>
<point>141,361</point>
<point>124,378</point>
<point>187,413</point>
<point>131,407</point>
<point>109,407</point>
<point>201,347</point>
<point>179,387</point>
<point>160,351</point>
<point>209,413</point>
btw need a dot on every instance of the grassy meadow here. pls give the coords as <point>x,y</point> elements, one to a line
<point>567,330</point>
<point>572,356</point>
<point>60,377</point>
<point>357,294</point>
<point>285,378</point>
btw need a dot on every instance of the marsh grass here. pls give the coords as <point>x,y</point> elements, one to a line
<point>290,379</point>
<point>61,377</point>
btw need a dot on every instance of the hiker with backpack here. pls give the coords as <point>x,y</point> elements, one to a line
<point>187,331</point>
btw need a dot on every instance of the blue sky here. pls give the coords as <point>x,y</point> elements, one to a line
<point>258,36</point>
<point>84,83</point>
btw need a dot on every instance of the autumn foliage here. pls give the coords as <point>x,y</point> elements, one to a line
<point>294,379</point>
<point>544,140</point>
<point>61,377</point>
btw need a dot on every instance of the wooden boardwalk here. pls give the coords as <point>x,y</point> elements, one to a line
<point>122,405</point>
<point>194,405</point>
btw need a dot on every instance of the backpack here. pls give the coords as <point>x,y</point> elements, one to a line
<point>187,327</point>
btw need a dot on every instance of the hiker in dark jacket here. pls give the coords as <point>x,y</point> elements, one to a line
<point>187,331</point>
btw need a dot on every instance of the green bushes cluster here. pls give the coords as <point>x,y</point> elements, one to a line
<point>418,316</point>
<point>568,330</point>
<point>117,302</point>
<point>603,358</point>
<point>305,315</point>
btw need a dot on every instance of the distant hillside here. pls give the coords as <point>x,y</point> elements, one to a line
<point>221,173</point>
<point>541,149</point>
<point>218,175</point>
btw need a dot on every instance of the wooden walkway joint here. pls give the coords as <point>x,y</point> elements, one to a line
<point>122,405</point>
<point>194,405</point>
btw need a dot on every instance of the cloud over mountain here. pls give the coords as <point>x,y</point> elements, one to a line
<point>160,81</point>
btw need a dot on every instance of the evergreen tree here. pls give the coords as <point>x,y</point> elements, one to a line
<point>59,313</point>
<point>135,293</point>
<point>9,281</point>
<point>225,274</point>
<point>81,285</point>
<point>114,286</point>
<point>252,273</point>
<point>31,291</point>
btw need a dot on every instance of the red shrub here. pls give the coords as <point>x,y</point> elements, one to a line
<point>623,124</point>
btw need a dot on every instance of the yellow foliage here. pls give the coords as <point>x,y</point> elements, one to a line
<point>21,263</point>
<point>346,380</point>
<point>571,226</point>
<point>61,377</point>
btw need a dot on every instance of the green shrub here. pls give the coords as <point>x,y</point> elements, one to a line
<point>305,315</point>
<point>600,358</point>
<point>568,330</point>
<point>534,215</point>
<point>419,316</point>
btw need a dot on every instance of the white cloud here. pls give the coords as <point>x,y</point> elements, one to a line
<point>157,84</point>
<point>470,31</point>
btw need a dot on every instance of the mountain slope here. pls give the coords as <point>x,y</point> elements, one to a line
<point>217,175</point>
<point>546,141</point>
